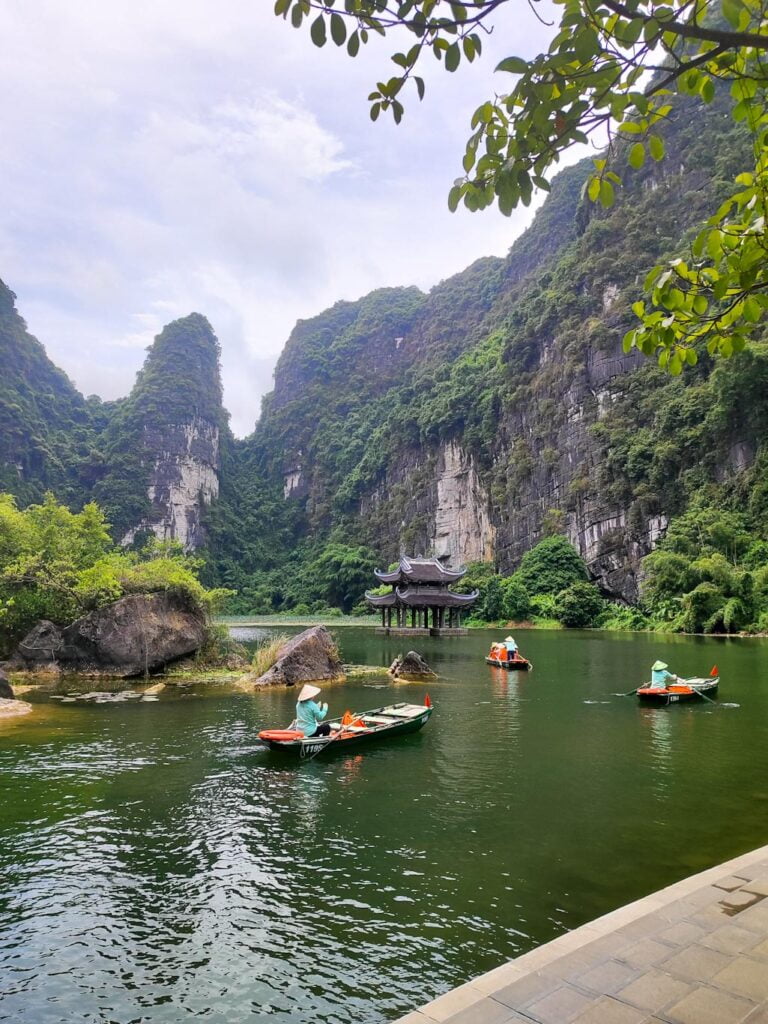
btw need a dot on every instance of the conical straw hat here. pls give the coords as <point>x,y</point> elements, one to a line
<point>308,692</point>
<point>658,665</point>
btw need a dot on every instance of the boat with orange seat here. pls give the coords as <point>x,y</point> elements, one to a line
<point>499,656</point>
<point>352,730</point>
<point>683,690</point>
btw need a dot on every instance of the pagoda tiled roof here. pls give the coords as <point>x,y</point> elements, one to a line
<point>422,597</point>
<point>419,570</point>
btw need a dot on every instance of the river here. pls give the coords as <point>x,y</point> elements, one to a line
<point>158,864</point>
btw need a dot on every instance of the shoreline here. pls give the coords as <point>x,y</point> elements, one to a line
<point>268,622</point>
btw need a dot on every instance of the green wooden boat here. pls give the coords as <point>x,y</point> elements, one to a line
<point>367,727</point>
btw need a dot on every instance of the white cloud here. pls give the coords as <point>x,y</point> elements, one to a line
<point>168,156</point>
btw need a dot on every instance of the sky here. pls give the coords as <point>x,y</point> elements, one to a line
<point>171,156</point>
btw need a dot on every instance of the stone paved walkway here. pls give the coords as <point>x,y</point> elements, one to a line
<point>693,953</point>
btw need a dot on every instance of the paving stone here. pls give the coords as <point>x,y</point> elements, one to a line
<point>490,982</point>
<point>654,990</point>
<point>758,1016</point>
<point>682,934</point>
<point>730,883</point>
<point>708,1006</point>
<point>760,950</point>
<point>608,977</point>
<point>745,977</point>
<point>610,1011</point>
<point>729,939</point>
<point>486,1011</point>
<point>758,885</point>
<point>704,897</point>
<point>755,917</point>
<point>560,1006</point>
<point>415,1018</point>
<point>697,963</point>
<point>741,899</point>
<point>573,965</point>
<point>645,953</point>
<point>520,993</point>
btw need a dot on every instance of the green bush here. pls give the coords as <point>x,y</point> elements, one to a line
<point>517,600</point>
<point>578,605</point>
<point>59,565</point>
<point>551,566</point>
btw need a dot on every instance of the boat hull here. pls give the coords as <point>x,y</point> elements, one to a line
<point>688,690</point>
<point>519,664</point>
<point>349,740</point>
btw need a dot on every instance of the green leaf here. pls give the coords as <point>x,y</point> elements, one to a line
<point>656,147</point>
<point>606,194</point>
<point>515,65</point>
<point>452,57</point>
<point>353,46</point>
<point>637,155</point>
<point>593,191</point>
<point>317,31</point>
<point>338,29</point>
<point>707,90</point>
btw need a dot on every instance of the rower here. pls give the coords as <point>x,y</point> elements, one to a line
<point>309,714</point>
<point>660,677</point>
<point>511,646</point>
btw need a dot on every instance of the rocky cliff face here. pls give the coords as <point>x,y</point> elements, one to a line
<point>501,407</point>
<point>183,481</point>
<point>165,440</point>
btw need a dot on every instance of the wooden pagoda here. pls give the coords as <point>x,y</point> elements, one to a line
<point>420,600</point>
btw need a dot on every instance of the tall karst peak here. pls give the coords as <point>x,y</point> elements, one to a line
<point>164,443</point>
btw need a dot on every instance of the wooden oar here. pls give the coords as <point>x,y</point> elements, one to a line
<point>627,694</point>
<point>705,696</point>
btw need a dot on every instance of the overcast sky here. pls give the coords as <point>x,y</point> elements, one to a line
<point>176,155</point>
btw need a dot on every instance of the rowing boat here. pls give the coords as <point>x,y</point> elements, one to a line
<point>392,720</point>
<point>499,656</point>
<point>685,689</point>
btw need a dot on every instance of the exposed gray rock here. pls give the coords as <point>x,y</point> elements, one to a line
<point>41,646</point>
<point>309,657</point>
<point>134,636</point>
<point>6,690</point>
<point>411,666</point>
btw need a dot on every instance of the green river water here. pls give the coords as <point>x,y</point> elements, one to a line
<point>158,865</point>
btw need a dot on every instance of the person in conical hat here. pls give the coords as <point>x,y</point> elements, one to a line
<point>511,646</point>
<point>660,678</point>
<point>310,714</point>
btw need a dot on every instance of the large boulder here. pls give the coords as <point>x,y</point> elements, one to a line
<point>411,666</point>
<point>6,691</point>
<point>41,646</point>
<point>308,657</point>
<point>131,637</point>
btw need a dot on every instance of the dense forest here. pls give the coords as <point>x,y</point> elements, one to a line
<point>495,421</point>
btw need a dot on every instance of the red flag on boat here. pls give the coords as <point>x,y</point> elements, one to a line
<point>427,702</point>
<point>713,671</point>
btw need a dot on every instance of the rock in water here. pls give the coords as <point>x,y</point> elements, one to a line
<point>138,634</point>
<point>309,657</point>
<point>411,666</point>
<point>13,708</point>
<point>6,691</point>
